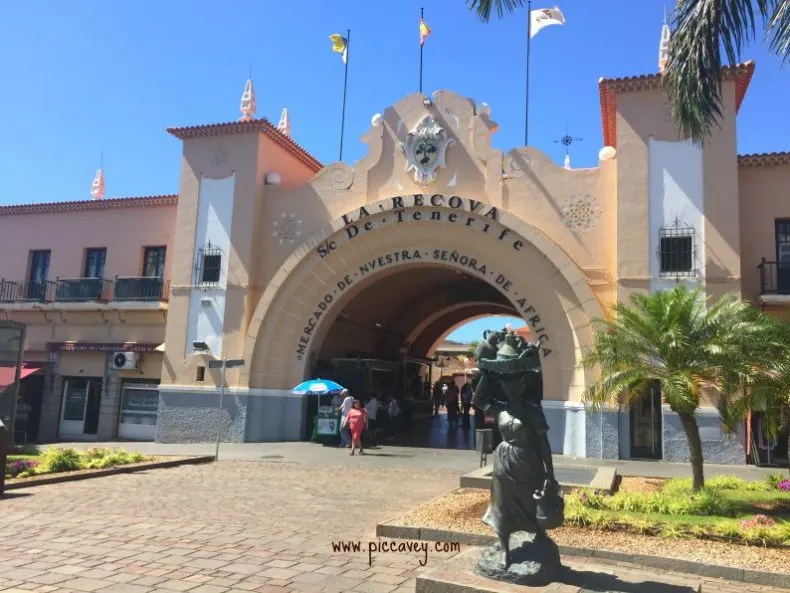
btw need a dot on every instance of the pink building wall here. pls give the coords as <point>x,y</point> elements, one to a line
<point>124,232</point>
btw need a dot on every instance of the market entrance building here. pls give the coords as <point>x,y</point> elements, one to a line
<point>352,271</point>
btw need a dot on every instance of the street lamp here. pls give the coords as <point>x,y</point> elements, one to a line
<point>218,363</point>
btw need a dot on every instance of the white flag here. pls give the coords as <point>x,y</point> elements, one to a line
<point>543,17</point>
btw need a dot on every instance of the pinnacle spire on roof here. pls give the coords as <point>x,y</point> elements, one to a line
<point>248,106</point>
<point>567,163</point>
<point>285,122</point>
<point>97,187</point>
<point>663,46</point>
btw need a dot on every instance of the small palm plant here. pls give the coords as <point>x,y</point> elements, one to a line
<point>691,347</point>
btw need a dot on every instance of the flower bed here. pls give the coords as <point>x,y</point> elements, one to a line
<point>727,509</point>
<point>29,462</point>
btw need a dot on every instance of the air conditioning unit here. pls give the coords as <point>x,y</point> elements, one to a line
<point>122,361</point>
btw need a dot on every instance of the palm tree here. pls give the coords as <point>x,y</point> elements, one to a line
<point>693,79</point>
<point>767,386</point>
<point>690,346</point>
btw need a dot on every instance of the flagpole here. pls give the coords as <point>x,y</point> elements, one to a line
<point>421,46</point>
<point>345,88</point>
<point>529,54</point>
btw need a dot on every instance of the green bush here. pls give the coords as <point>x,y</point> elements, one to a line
<point>773,480</point>
<point>677,502</point>
<point>110,458</point>
<point>57,459</point>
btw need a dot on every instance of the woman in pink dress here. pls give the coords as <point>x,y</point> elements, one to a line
<point>357,420</point>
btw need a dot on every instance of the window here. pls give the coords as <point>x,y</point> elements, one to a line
<point>39,270</point>
<point>208,268</point>
<point>200,374</point>
<point>154,262</point>
<point>94,263</point>
<point>676,250</point>
<point>783,241</point>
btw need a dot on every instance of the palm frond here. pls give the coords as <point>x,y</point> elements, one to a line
<point>484,8</point>
<point>779,29</point>
<point>693,78</point>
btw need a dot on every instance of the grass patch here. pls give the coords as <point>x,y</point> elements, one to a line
<point>728,509</point>
<point>28,462</point>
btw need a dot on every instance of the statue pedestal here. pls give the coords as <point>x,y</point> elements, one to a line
<point>577,575</point>
<point>534,561</point>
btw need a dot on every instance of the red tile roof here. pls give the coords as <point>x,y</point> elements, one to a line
<point>608,89</point>
<point>244,127</point>
<point>766,159</point>
<point>83,205</point>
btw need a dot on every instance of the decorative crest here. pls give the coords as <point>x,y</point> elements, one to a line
<point>97,187</point>
<point>425,149</point>
<point>248,105</point>
<point>285,122</point>
<point>663,46</point>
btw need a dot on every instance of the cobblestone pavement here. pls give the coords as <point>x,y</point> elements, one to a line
<point>232,527</point>
<point>220,528</point>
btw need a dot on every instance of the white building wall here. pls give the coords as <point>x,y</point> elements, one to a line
<point>676,193</point>
<point>207,304</point>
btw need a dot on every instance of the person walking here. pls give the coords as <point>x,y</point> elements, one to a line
<point>466,401</point>
<point>437,397</point>
<point>451,401</point>
<point>357,420</point>
<point>393,410</point>
<point>345,408</point>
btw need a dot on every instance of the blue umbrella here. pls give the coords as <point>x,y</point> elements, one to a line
<point>317,387</point>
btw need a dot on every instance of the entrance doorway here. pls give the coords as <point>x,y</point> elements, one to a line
<point>646,424</point>
<point>80,409</point>
<point>384,340</point>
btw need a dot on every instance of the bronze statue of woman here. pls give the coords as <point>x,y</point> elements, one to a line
<point>525,495</point>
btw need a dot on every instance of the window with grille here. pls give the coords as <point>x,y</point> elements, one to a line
<point>676,250</point>
<point>209,266</point>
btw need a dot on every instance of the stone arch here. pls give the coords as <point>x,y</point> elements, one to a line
<point>543,284</point>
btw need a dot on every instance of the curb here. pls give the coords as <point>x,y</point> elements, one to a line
<point>121,469</point>
<point>730,573</point>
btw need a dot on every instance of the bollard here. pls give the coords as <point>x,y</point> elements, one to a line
<point>4,442</point>
<point>484,443</point>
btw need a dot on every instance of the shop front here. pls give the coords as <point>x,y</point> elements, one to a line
<point>139,404</point>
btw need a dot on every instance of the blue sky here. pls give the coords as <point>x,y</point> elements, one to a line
<point>87,76</point>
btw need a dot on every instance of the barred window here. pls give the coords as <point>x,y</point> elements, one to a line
<point>676,250</point>
<point>209,266</point>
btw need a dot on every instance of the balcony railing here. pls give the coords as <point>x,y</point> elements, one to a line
<point>80,290</point>
<point>140,289</point>
<point>41,291</point>
<point>774,277</point>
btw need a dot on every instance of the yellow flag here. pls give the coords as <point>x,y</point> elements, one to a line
<point>339,45</point>
<point>425,30</point>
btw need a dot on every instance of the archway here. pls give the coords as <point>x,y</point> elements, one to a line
<point>529,273</point>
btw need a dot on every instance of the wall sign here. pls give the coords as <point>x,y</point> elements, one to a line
<point>424,208</point>
<point>478,268</point>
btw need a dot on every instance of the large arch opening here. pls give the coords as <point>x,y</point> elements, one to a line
<point>385,340</point>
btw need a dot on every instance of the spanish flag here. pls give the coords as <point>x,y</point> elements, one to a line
<point>339,45</point>
<point>425,30</point>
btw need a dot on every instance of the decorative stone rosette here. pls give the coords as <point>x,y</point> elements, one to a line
<point>287,228</point>
<point>581,213</point>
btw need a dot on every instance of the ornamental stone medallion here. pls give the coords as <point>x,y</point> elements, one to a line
<point>580,213</point>
<point>287,228</point>
<point>220,155</point>
<point>425,149</point>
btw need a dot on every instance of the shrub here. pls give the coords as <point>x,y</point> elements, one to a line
<point>758,521</point>
<point>104,458</point>
<point>784,486</point>
<point>27,449</point>
<point>15,469</point>
<point>60,460</point>
<point>774,479</point>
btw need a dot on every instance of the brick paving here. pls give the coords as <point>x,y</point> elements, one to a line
<point>232,527</point>
<point>223,528</point>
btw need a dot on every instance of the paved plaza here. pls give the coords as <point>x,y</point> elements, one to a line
<point>262,519</point>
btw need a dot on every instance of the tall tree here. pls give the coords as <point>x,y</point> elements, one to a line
<point>693,80</point>
<point>690,346</point>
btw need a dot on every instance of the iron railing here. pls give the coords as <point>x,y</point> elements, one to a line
<point>41,291</point>
<point>774,277</point>
<point>80,290</point>
<point>140,288</point>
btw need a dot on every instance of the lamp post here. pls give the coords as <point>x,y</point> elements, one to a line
<point>224,364</point>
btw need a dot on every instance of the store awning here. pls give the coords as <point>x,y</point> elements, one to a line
<point>7,374</point>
